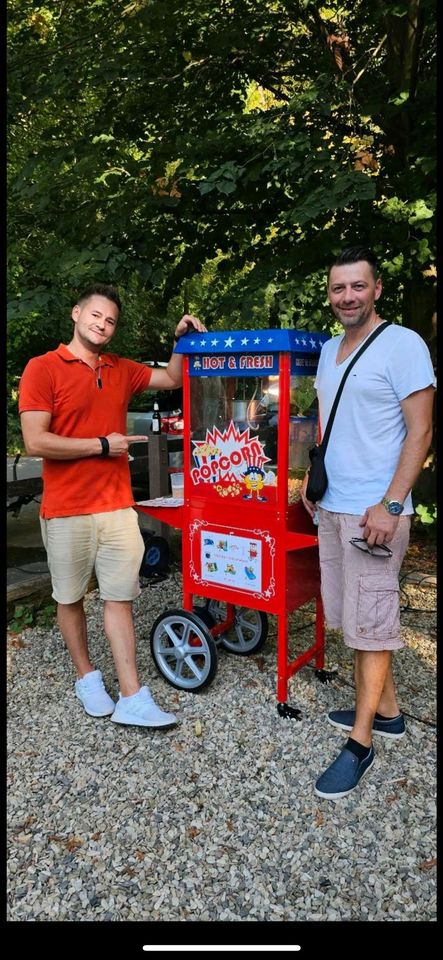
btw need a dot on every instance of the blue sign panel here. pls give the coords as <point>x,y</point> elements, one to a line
<point>251,341</point>
<point>302,366</point>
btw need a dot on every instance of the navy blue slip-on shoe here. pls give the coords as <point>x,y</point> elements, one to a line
<point>393,728</point>
<point>343,775</point>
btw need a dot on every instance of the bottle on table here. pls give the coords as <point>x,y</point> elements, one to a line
<point>156,422</point>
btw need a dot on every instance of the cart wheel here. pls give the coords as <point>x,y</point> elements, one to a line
<point>204,614</point>
<point>183,650</point>
<point>249,632</point>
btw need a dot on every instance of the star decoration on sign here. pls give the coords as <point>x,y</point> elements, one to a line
<point>202,343</point>
<point>214,343</point>
<point>192,343</point>
<point>229,342</point>
<point>244,341</point>
<point>270,339</point>
<point>257,340</point>
<point>312,342</point>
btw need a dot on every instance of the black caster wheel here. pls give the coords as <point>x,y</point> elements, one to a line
<point>289,713</point>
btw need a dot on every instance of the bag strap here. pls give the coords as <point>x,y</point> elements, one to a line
<point>366,344</point>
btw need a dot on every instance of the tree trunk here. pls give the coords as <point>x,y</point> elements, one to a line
<point>419,310</point>
<point>403,45</point>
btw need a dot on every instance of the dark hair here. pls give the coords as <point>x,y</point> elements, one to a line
<point>353,255</point>
<point>101,290</point>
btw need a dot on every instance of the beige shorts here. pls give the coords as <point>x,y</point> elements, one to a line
<point>110,543</point>
<point>360,592</point>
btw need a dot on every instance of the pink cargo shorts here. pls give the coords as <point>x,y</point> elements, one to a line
<point>360,592</point>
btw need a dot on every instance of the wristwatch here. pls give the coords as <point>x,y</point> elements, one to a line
<point>393,507</point>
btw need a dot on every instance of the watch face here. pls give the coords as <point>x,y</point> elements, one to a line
<point>395,508</point>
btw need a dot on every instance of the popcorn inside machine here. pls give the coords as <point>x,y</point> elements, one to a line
<point>249,548</point>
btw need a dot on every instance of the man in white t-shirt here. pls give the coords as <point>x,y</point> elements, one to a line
<point>379,440</point>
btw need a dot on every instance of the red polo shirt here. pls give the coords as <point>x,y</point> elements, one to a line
<point>66,387</point>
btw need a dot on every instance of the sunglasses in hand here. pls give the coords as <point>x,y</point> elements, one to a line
<point>378,550</point>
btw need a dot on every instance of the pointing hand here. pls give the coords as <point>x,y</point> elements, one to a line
<point>118,443</point>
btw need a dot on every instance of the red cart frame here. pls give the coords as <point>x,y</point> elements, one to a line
<point>280,536</point>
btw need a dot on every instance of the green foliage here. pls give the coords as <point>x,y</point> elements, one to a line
<point>28,615</point>
<point>303,397</point>
<point>214,156</point>
<point>45,615</point>
<point>426,514</point>
<point>14,434</point>
<point>22,618</point>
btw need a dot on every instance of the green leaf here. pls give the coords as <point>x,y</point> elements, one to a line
<point>205,187</point>
<point>419,211</point>
<point>400,99</point>
<point>103,138</point>
<point>427,515</point>
<point>226,186</point>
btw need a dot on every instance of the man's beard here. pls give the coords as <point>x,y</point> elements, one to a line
<point>356,321</point>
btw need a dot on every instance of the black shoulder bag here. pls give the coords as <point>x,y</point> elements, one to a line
<point>318,479</point>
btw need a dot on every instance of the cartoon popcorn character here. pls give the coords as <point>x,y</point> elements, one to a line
<point>254,480</point>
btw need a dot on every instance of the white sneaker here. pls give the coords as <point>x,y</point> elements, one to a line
<point>141,711</point>
<point>91,692</point>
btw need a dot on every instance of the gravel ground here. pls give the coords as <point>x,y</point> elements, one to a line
<point>109,823</point>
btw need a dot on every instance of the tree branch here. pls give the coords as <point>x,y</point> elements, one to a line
<point>373,55</point>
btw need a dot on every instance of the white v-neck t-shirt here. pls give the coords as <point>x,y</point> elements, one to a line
<point>369,430</point>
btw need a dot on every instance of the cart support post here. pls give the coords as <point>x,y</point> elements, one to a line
<point>282,658</point>
<point>319,635</point>
<point>158,477</point>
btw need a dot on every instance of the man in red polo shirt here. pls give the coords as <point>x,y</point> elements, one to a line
<point>73,406</point>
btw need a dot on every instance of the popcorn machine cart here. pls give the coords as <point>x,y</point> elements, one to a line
<point>249,548</point>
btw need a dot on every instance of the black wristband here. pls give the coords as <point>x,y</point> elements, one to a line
<point>176,339</point>
<point>105,446</point>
